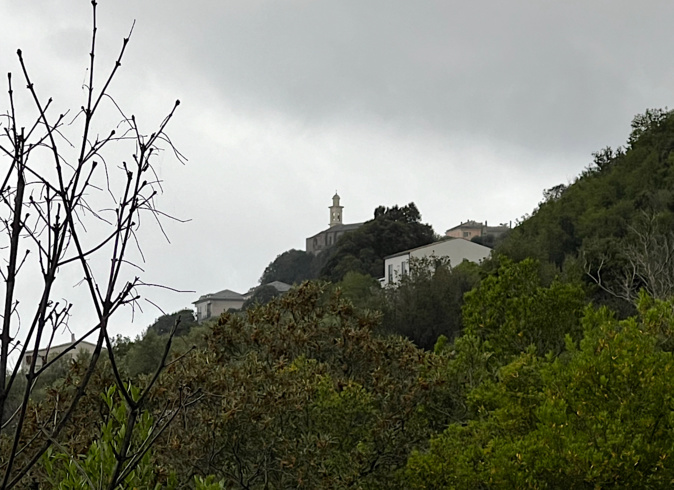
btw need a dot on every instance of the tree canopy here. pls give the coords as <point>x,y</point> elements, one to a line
<point>593,219</point>
<point>363,250</point>
<point>599,417</point>
<point>291,267</point>
<point>529,384</point>
<point>427,302</point>
<point>184,318</point>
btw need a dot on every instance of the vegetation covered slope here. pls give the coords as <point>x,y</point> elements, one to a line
<point>530,385</point>
<point>363,250</point>
<point>599,416</point>
<point>624,199</point>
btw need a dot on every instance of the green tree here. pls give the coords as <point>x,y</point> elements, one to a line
<point>291,267</point>
<point>427,302</point>
<point>592,217</point>
<point>184,319</point>
<point>300,393</point>
<point>99,468</point>
<point>511,310</point>
<point>140,357</point>
<point>144,354</point>
<point>262,295</point>
<point>598,417</point>
<point>363,250</point>
<point>362,290</point>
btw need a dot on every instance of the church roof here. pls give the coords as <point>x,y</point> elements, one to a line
<point>339,227</point>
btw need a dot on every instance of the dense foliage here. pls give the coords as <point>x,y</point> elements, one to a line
<point>511,310</point>
<point>261,296</point>
<point>537,391</point>
<point>300,393</point>
<point>184,318</point>
<point>363,250</point>
<point>514,378</point>
<point>600,416</point>
<point>622,198</point>
<point>291,267</point>
<point>427,302</point>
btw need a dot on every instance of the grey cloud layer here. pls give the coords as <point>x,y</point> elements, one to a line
<point>547,75</point>
<point>469,109</point>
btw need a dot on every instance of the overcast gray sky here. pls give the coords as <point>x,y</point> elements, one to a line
<point>469,109</point>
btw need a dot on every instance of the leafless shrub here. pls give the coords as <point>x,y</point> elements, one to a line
<point>645,261</point>
<point>66,209</point>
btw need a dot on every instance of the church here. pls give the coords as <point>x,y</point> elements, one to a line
<point>326,238</point>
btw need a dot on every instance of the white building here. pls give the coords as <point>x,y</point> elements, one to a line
<point>215,304</point>
<point>455,249</point>
<point>47,354</point>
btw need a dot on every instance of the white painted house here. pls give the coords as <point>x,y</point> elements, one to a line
<point>455,249</point>
<point>47,354</point>
<point>215,304</point>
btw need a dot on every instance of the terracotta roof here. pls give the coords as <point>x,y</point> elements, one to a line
<point>468,224</point>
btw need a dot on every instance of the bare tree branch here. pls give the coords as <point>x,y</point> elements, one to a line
<point>47,207</point>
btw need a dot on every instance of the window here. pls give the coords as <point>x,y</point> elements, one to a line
<point>403,268</point>
<point>390,273</point>
<point>466,234</point>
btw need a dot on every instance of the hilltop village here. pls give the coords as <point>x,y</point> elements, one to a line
<point>378,355</point>
<point>466,241</point>
<point>540,357</point>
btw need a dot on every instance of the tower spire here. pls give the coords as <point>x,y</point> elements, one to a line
<point>335,211</point>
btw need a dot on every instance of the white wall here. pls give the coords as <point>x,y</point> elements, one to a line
<point>217,307</point>
<point>456,249</point>
<point>394,265</point>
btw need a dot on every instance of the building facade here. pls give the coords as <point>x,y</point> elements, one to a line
<point>455,249</point>
<point>327,238</point>
<point>471,229</point>
<point>47,354</point>
<point>215,304</point>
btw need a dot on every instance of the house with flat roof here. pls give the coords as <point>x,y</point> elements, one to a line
<point>455,249</point>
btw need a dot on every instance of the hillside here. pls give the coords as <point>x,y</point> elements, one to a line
<point>605,219</point>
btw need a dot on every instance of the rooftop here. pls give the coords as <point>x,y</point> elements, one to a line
<point>225,294</point>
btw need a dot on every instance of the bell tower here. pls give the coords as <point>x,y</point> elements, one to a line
<point>335,211</point>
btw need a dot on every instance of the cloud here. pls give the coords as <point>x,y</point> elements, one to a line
<point>541,75</point>
<point>469,109</point>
